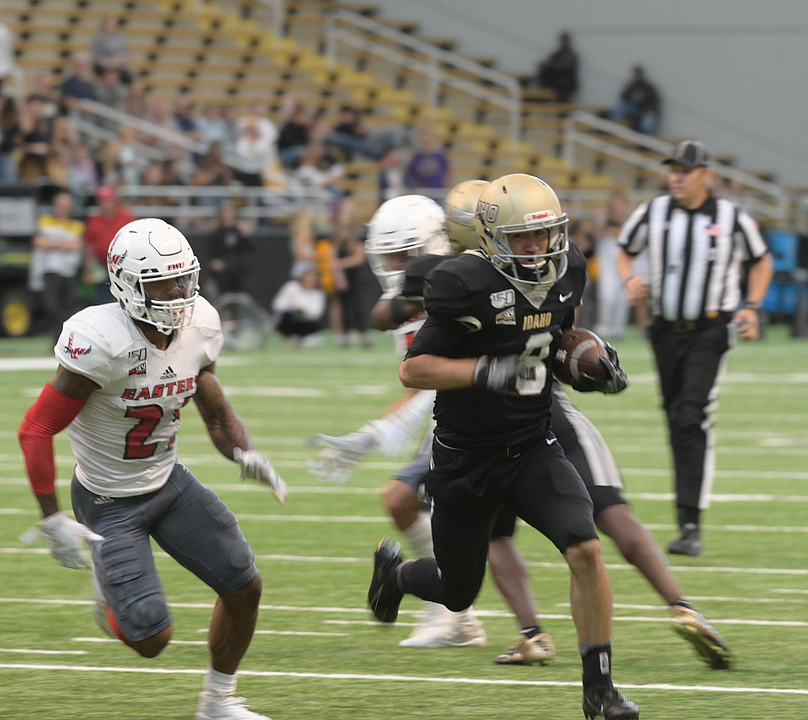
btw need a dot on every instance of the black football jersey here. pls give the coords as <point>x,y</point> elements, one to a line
<point>474,310</point>
<point>416,270</point>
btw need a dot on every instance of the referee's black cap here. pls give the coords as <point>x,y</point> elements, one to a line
<point>690,153</point>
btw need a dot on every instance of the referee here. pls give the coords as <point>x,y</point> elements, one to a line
<point>696,245</point>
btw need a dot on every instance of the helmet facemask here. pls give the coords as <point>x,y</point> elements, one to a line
<point>165,315</point>
<point>543,269</point>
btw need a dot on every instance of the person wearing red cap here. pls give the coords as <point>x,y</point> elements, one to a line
<point>101,229</point>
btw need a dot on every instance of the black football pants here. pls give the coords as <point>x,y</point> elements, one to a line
<point>690,366</point>
<point>469,487</point>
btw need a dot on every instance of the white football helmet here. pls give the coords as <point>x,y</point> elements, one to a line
<point>409,225</point>
<point>521,203</point>
<point>147,251</point>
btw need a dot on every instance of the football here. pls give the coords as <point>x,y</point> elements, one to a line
<point>579,352</point>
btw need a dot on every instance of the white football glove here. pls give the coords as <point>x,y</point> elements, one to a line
<point>256,466</point>
<point>336,462</point>
<point>65,538</point>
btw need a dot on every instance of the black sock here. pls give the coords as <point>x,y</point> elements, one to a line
<point>597,660</point>
<point>531,632</point>
<point>683,603</point>
<point>688,516</point>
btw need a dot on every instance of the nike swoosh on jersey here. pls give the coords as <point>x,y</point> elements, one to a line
<point>564,298</point>
<point>550,441</point>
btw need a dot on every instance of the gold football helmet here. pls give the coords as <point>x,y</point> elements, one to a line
<point>459,206</point>
<point>522,203</point>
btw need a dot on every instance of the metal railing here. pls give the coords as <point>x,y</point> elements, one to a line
<point>435,64</point>
<point>768,199</point>
<point>99,120</point>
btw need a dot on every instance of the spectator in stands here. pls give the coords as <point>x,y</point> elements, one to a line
<point>36,135</point>
<point>63,133</point>
<point>46,90</point>
<point>349,254</point>
<point>257,118</point>
<point>82,173</point>
<point>230,252</point>
<point>559,71</point>
<point>183,117</point>
<point>110,171</point>
<point>213,128</point>
<point>612,306</point>
<point>130,162</point>
<point>8,69</point>
<point>295,132</point>
<point>319,169</point>
<point>429,166</point>
<point>78,86</point>
<point>160,116</point>
<point>212,172</point>
<point>639,103</point>
<point>255,151</point>
<point>391,176</point>
<point>10,139</point>
<point>230,117</point>
<point>57,167</point>
<point>351,135</point>
<point>111,91</point>
<point>136,104</point>
<point>110,50</point>
<point>55,262</point>
<point>101,229</point>
<point>299,307</point>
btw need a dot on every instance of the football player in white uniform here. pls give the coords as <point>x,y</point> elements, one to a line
<point>126,370</point>
<point>404,232</point>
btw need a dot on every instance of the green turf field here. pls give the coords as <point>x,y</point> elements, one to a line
<point>314,553</point>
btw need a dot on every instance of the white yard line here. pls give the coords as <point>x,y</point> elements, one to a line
<point>27,651</point>
<point>789,591</point>
<point>405,678</point>
<point>337,560</point>
<point>417,613</point>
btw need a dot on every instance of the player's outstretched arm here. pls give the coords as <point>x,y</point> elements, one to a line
<point>60,401</point>
<point>434,372</point>
<point>390,313</point>
<point>229,434</point>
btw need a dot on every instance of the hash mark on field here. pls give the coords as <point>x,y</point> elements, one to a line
<point>790,591</point>
<point>407,678</point>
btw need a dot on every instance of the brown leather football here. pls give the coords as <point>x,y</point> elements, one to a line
<point>579,352</point>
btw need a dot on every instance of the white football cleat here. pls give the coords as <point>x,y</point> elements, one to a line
<point>443,629</point>
<point>214,706</point>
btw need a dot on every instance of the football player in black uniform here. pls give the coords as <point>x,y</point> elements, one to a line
<point>586,449</point>
<point>494,320</point>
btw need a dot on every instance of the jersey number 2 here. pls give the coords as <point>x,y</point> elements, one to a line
<point>537,350</point>
<point>136,446</point>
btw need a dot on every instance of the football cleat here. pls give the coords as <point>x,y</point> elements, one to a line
<point>693,627</point>
<point>689,543</point>
<point>607,702</point>
<point>443,629</point>
<point>526,651</point>
<point>384,595</point>
<point>213,706</point>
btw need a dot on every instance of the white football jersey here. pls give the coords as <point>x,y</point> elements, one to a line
<point>124,438</point>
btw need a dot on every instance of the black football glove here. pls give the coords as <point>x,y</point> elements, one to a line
<point>501,374</point>
<point>613,382</point>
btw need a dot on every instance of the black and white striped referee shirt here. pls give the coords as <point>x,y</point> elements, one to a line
<point>694,256</point>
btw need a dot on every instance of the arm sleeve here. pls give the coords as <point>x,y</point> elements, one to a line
<point>747,236</point>
<point>634,235</point>
<point>51,413</point>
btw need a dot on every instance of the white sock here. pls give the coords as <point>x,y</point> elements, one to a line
<point>420,536</point>
<point>220,683</point>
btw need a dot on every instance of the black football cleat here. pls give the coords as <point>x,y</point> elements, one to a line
<point>384,595</point>
<point>689,543</point>
<point>607,702</point>
<point>693,627</point>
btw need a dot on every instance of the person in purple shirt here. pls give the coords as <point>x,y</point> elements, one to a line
<point>429,167</point>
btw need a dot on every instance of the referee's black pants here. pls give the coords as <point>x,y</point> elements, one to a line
<point>690,366</point>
